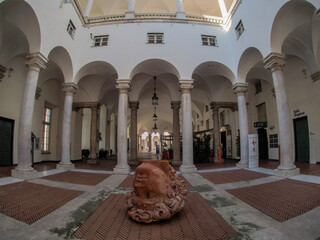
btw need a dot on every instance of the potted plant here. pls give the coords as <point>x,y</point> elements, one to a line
<point>85,154</point>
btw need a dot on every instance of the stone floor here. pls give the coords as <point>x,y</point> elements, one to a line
<point>66,221</point>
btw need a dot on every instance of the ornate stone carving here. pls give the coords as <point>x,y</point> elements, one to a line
<point>36,61</point>
<point>38,93</point>
<point>274,61</point>
<point>158,194</point>
<point>240,88</point>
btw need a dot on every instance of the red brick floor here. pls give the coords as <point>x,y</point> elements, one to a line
<point>28,202</point>
<point>196,221</point>
<point>232,176</point>
<point>281,200</point>
<point>78,177</point>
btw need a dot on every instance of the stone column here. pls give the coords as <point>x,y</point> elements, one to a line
<point>275,63</point>
<point>93,134</point>
<point>187,132</point>
<point>35,62</point>
<point>175,106</point>
<point>134,106</point>
<point>179,5</point>
<point>240,89</point>
<point>69,89</point>
<point>122,166</point>
<point>131,6</point>
<point>216,129</point>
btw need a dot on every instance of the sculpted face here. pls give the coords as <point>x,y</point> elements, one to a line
<point>158,192</point>
<point>150,186</point>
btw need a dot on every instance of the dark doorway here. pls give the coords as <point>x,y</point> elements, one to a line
<point>224,144</point>
<point>6,141</point>
<point>263,143</point>
<point>301,137</point>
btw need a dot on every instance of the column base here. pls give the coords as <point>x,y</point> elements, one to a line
<point>242,165</point>
<point>286,172</point>
<point>25,175</point>
<point>93,161</point>
<point>67,167</point>
<point>188,169</point>
<point>121,170</point>
<point>129,15</point>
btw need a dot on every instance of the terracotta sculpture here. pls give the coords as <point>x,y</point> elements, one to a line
<point>158,193</point>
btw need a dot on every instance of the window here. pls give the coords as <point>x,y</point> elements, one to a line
<point>262,113</point>
<point>222,118</point>
<point>258,87</point>
<point>207,123</point>
<point>155,38</point>
<point>239,29</point>
<point>209,40</point>
<point>71,29</point>
<point>46,122</point>
<point>273,138</point>
<point>100,41</point>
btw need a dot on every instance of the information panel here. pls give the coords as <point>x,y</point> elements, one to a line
<point>253,150</point>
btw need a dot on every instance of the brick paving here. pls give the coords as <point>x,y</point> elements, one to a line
<point>78,177</point>
<point>232,176</point>
<point>281,200</point>
<point>128,182</point>
<point>196,221</point>
<point>28,202</point>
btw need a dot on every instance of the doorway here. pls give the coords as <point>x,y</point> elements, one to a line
<point>301,137</point>
<point>224,144</point>
<point>263,143</point>
<point>6,141</point>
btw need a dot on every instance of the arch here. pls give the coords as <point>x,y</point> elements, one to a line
<point>62,58</point>
<point>154,67</point>
<point>250,57</point>
<point>291,15</point>
<point>20,14</point>
<point>100,68</point>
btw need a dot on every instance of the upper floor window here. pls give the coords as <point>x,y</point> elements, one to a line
<point>46,129</point>
<point>239,29</point>
<point>155,38</point>
<point>100,40</point>
<point>262,112</point>
<point>71,29</point>
<point>258,87</point>
<point>209,40</point>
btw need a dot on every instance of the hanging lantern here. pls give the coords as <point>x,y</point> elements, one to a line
<point>154,97</point>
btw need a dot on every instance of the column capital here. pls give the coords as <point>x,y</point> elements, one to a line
<point>134,105</point>
<point>274,61</point>
<point>3,69</point>
<point>70,88</point>
<point>123,86</point>
<point>186,85</point>
<point>214,106</point>
<point>175,105</point>
<point>36,61</point>
<point>240,88</point>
